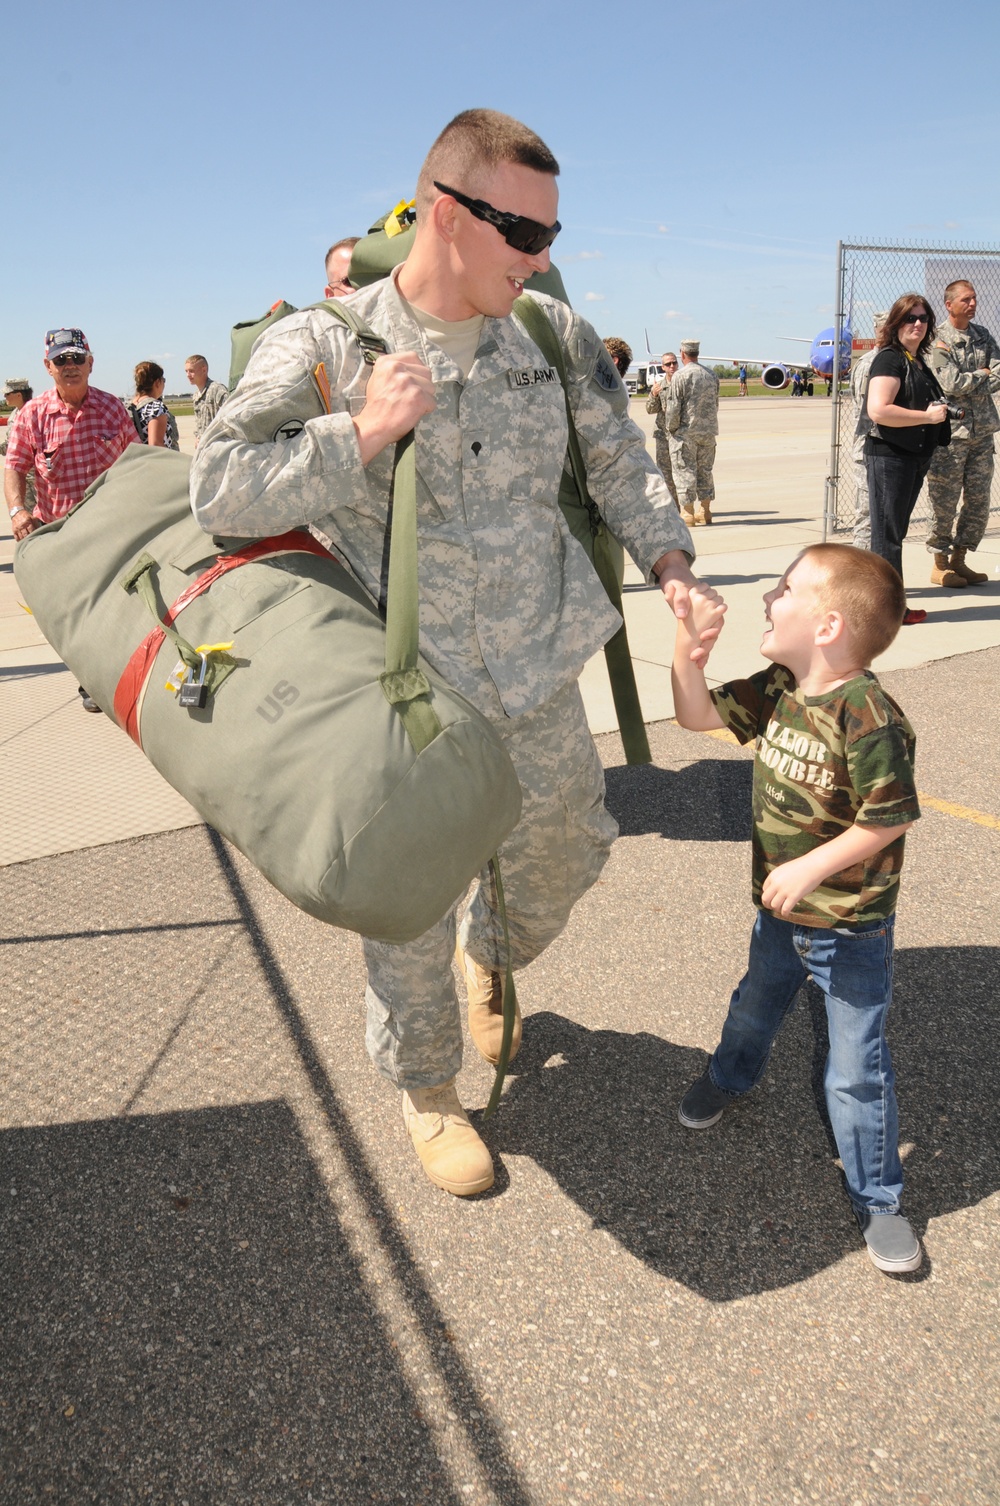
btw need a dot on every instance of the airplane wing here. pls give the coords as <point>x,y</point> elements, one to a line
<point>756,361</point>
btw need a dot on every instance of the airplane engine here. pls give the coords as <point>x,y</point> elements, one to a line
<point>775,376</point>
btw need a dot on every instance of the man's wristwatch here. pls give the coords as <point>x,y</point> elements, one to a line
<point>15,510</point>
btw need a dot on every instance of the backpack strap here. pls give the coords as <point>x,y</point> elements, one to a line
<point>616,651</point>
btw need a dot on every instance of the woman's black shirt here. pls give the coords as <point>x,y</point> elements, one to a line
<point>920,392</point>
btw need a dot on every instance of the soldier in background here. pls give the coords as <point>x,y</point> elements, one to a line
<point>209,395</point>
<point>861,536</point>
<point>338,264</point>
<point>965,358</point>
<point>16,392</point>
<point>655,404</point>
<point>692,421</point>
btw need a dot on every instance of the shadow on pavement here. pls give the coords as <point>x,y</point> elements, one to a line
<point>757,1202</point>
<point>184,1318</point>
<point>31,671</point>
<point>706,801</point>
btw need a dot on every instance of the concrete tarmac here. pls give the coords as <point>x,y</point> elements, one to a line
<point>223,1278</point>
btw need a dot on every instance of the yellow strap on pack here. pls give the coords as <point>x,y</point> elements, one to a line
<point>213,648</point>
<point>395,223</point>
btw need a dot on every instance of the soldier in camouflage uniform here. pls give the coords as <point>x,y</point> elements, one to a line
<point>965,358</point>
<point>17,392</point>
<point>510,606</point>
<point>655,404</point>
<point>691,415</point>
<point>833,797</point>
<point>861,537</point>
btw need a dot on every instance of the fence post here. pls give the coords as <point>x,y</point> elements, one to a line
<point>833,479</point>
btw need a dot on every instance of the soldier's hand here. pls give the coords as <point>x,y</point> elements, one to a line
<point>22,524</point>
<point>400,391</point>
<point>677,584</point>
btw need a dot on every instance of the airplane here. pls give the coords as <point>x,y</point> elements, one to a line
<point>777,374</point>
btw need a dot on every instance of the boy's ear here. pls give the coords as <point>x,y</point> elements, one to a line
<point>830,629</point>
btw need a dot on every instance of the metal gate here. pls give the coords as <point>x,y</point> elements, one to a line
<point>870,278</point>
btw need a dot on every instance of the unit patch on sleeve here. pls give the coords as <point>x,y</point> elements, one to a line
<point>532,376</point>
<point>606,373</point>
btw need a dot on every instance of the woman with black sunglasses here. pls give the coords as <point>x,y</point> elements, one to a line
<point>907,410</point>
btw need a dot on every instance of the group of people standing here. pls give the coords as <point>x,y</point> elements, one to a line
<point>686,427</point>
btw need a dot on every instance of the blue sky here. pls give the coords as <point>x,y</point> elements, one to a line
<point>172,169</point>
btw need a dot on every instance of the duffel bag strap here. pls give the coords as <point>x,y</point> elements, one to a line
<point>617,655</point>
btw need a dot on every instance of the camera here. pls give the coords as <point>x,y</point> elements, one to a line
<point>955,413</point>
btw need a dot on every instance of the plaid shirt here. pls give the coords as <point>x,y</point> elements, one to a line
<point>67,447</point>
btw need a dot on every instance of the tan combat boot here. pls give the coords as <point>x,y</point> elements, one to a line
<point>450,1151</point>
<point>943,575</point>
<point>970,576</point>
<point>486,1009</point>
<point>687,513</point>
<point>704,513</point>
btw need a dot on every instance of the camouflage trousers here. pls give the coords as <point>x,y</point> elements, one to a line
<point>961,471</point>
<point>861,533</point>
<point>693,456</point>
<point>551,858</point>
<point>663,462</point>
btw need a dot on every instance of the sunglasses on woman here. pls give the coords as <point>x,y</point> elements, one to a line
<point>529,236</point>
<point>915,318</point>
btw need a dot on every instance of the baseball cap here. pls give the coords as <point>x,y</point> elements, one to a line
<point>16,384</point>
<point>60,342</point>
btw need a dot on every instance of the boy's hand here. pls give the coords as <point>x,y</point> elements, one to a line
<point>685,595</point>
<point>790,882</point>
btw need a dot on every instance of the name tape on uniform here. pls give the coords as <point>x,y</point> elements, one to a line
<point>532,376</point>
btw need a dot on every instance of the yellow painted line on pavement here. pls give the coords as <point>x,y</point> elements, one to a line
<point>962,812</point>
<point>946,807</point>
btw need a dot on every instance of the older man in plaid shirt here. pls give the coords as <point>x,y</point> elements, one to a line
<point>66,437</point>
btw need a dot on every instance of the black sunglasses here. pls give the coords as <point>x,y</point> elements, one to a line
<point>71,358</point>
<point>518,231</point>
<point>916,319</point>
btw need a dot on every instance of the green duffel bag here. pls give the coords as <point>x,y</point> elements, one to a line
<point>244,335</point>
<point>306,731</point>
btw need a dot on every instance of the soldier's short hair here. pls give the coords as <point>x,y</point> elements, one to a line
<point>690,347</point>
<point>349,242</point>
<point>867,592</point>
<point>200,359</point>
<point>620,352</point>
<point>472,146</point>
<point>960,282</point>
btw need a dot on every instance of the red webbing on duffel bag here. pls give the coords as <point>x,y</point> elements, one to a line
<point>136,672</point>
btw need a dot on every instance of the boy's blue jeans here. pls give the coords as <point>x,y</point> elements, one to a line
<point>853,969</point>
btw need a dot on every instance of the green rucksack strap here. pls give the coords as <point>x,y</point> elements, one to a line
<point>616,652</point>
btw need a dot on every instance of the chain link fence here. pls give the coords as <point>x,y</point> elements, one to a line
<point>870,278</point>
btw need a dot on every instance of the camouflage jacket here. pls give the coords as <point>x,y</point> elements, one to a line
<point>510,605</point>
<point>207,403</point>
<point>691,404</point>
<point>30,497</point>
<point>859,391</point>
<point>655,405</point>
<point>823,763</point>
<point>957,358</point>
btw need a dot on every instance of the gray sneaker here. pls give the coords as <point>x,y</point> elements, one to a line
<point>892,1244</point>
<point>703,1104</point>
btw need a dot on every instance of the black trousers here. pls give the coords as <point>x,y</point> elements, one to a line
<point>894,483</point>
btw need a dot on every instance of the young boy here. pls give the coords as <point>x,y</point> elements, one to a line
<point>833,797</point>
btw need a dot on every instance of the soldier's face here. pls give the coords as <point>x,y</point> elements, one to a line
<point>337,268</point>
<point>962,306</point>
<point>489,274</point>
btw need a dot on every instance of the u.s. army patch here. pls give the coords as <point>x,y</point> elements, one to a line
<point>288,430</point>
<point>532,376</point>
<point>606,373</point>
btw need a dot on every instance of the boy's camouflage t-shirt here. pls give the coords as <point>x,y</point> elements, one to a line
<point>823,763</point>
